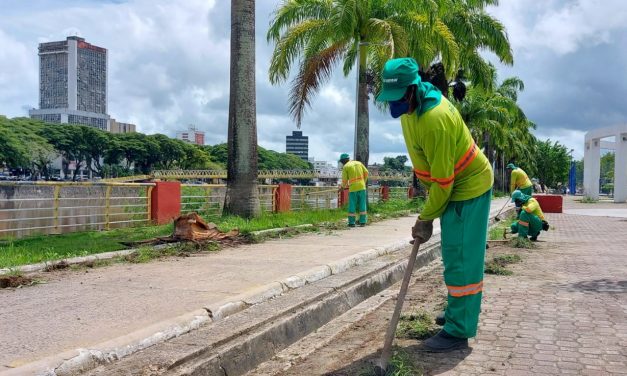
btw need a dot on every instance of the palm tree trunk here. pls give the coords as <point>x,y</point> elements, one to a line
<point>242,197</point>
<point>362,148</point>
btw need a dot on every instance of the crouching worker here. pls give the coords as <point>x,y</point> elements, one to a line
<point>530,219</point>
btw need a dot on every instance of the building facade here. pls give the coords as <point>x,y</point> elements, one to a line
<point>73,83</point>
<point>117,127</point>
<point>297,144</point>
<point>191,135</point>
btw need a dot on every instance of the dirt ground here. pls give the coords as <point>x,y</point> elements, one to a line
<point>355,350</point>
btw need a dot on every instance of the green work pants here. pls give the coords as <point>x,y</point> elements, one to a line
<point>357,202</point>
<point>464,228</point>
<point>528,191</point>
<point>527,225</point>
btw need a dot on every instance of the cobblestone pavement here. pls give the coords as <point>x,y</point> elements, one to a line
<point>564,311</point>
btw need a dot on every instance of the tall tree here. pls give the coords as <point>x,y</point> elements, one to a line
<point>553,163</point>
<point>242,196</point>
<point>319,34</point>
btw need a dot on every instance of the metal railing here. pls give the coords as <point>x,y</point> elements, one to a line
<point>208,199</point>
<point>59,207</point>
<point>313,198</point>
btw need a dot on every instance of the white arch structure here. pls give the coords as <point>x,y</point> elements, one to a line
<point>592,161</point>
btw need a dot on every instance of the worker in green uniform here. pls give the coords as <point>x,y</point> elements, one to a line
<point>354,176</point>
<point>459,178</point>
<point>519,180</point>
<point>531,220</point>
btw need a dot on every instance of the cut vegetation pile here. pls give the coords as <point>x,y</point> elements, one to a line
<point>499,263</point>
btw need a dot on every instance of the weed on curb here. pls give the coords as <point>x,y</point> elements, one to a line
<point>400,365</point>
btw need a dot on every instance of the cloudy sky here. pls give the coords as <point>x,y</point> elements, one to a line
<point>169,67</point>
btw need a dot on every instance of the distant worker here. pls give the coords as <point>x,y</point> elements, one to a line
<point>459,178</point>
<point>519,180</point>
<point>531,218</point>
<point>354,176</point>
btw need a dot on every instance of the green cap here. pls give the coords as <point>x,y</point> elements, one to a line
<point>511,166</point>
<point>344,156</point>
<point>518,195</point>
<point>397,76</point>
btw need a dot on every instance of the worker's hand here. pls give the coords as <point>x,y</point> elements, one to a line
<point>422,230</point>
<point>545,225</point>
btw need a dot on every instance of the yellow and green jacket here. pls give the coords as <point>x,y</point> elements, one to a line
<point>354,175</point>
<point>519,180</point>
<point>532,206</point>
<point>445,157</point>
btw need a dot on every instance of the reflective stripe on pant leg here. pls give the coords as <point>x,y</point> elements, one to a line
<point>464,228</point>
<point>534,223</point>
<point>523,224</point>
<point>363,206</point>
<point>352,207</point>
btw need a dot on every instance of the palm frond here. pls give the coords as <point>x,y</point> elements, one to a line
<point>293,12</point>
<point>291,45</point>
<point>313,73</point>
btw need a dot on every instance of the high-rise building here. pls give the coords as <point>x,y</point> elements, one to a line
<point>297,144</point>
<point>191,135</point>
<point>72,83</point>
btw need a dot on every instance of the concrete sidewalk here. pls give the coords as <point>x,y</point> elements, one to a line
<point>82,309</point>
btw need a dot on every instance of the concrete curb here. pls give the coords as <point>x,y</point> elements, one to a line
<point>34,268</point>
<point>84,359</point>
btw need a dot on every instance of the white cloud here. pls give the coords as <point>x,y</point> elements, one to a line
<point>169,67</point>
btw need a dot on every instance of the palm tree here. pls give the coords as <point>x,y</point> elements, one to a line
<point>319,34</point>
<point>242,197</point>
<point>475,30</point>
<point>498,124</point>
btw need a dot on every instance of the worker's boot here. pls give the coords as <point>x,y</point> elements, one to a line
<point>440,319</point>
<point>362,224</point>
<point>444,342</point>
<point>351,225</point>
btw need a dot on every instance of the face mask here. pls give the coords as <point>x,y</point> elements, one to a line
<point>398,108</point>
<point>518,203</point>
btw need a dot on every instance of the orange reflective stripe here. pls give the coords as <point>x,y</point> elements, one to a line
<point>356,179</point>
<point>422,174</point>
<point>523,223</point>
<point>459,291</point>
<point>467,158</point>
<point>463,162</point>
<point>351,215</point>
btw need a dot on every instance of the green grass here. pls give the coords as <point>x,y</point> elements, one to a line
<point>588,200</point>
<point>44,248</point>
<point>400,365</point>
<point>419,325</point>
<point>499,194</point>
<point>499,263</point>
<point>496,231</point>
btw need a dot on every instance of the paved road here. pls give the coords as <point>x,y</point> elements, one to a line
<point>79,309</point>
<point>565,309</point>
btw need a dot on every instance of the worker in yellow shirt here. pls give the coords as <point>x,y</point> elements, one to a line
<point>531,220</point>
<point>519,180</point>
<point>354,176</point>
<point>459,178</point>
